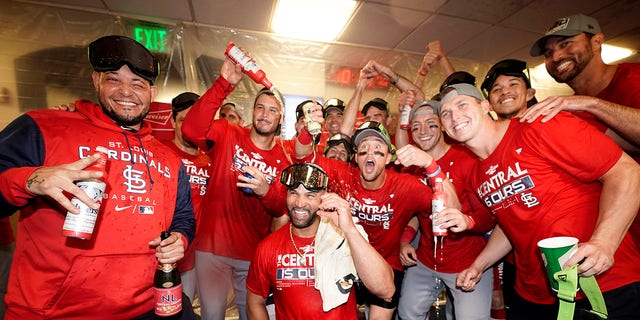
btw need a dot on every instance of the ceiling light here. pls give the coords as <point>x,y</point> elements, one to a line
<point>612,53</point>
<point>316,20</point>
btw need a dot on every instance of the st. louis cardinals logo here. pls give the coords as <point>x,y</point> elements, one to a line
<point>134,183</point>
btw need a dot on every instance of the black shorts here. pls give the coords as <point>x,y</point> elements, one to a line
<point>363,296</point>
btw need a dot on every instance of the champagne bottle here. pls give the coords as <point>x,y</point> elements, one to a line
<point>438,203</point>
<point>81,225</point>
<point>167,288</point>
<point>249,66</point>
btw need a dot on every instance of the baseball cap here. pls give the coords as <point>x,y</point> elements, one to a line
<point>458,77</point>
<point>183,101</point>
<point>372,128</point>
<point>333,103</point>
<point>337,139</point>
<point>459,89</point>
<point>110,53</point>
<point>376,102</point>
<point>566,27</point>
<point>419,110</point>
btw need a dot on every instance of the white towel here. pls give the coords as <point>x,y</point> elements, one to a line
<point>335,273</point>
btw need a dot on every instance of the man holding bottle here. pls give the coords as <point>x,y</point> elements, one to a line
<point>45,151</point>
<point>234,221</point>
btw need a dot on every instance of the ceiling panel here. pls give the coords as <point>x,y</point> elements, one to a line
<point>486,30</point>
<point>95,4</point>
<point>452,33</point>
<point>619,17</point>
<point>245,14</point>
<point>489,11</point>
<point>422,5</point>
<point>166,9</point>
<point>381,26</point>
<point>493,43</point>
<point>538,16</point>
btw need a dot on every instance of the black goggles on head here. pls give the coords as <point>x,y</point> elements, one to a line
<point>508,67</point>
<point>110,53</point>
<point>457,77</point>
<point>337,139</point>
<point>311,176</point>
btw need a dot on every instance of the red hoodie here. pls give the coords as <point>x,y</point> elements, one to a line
<point>111,275</point>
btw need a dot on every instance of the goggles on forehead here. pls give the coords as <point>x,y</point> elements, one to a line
<point>334,102</point>
<point>372,125</point>
<point>458,77</point>
<point>110,53</point>
<point>508,67</point>
<point>337,139</point>
<point>372,128</point>
<point>311,176</point>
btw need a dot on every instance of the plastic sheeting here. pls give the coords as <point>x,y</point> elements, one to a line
<point>43,60</point>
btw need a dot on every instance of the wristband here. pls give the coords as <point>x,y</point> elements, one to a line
<point>435,173</point>
<point>470,222</point>
<point>432,167</point>
<point>304,137</point>
<point>408,234</point>
<point>424,74</point>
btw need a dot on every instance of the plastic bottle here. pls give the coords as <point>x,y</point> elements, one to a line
<point>438,203</point>
<point>167,288</point>
<point>81,225</point>
<point>249,66</point>
<point>404,116</point>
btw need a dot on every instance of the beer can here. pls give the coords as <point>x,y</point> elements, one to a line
<point>81,225</point>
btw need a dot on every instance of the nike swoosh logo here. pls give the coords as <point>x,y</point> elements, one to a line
<point>118,208</point>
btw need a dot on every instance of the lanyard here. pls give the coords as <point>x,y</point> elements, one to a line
<point>568,281</point>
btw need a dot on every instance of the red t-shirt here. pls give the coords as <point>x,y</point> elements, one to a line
<point>385,212</point>
<point>232,222</point>
<point>278,268</point>
<point>623,89</point>
<point>459,250</point>
<point>197,167</point>
<point>539,182</point>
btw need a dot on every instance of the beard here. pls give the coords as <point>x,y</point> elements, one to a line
<point>124,120</point>
<point>263,131</point>
<point>302,223</point>
<point>580,62</point>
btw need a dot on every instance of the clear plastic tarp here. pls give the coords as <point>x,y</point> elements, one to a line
<point>43,61</point>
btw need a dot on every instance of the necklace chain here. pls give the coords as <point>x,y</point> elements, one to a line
<point>302,255</point>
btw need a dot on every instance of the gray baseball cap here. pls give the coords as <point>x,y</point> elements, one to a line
<point>419,109</point>
<point>566,27</point>
<point>459,89</point>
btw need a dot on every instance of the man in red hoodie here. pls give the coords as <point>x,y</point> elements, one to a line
<point>42,154</point>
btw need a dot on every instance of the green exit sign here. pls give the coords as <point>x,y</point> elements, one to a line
<point>152,38</point>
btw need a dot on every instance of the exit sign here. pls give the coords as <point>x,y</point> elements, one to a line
<point>150,37</point>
